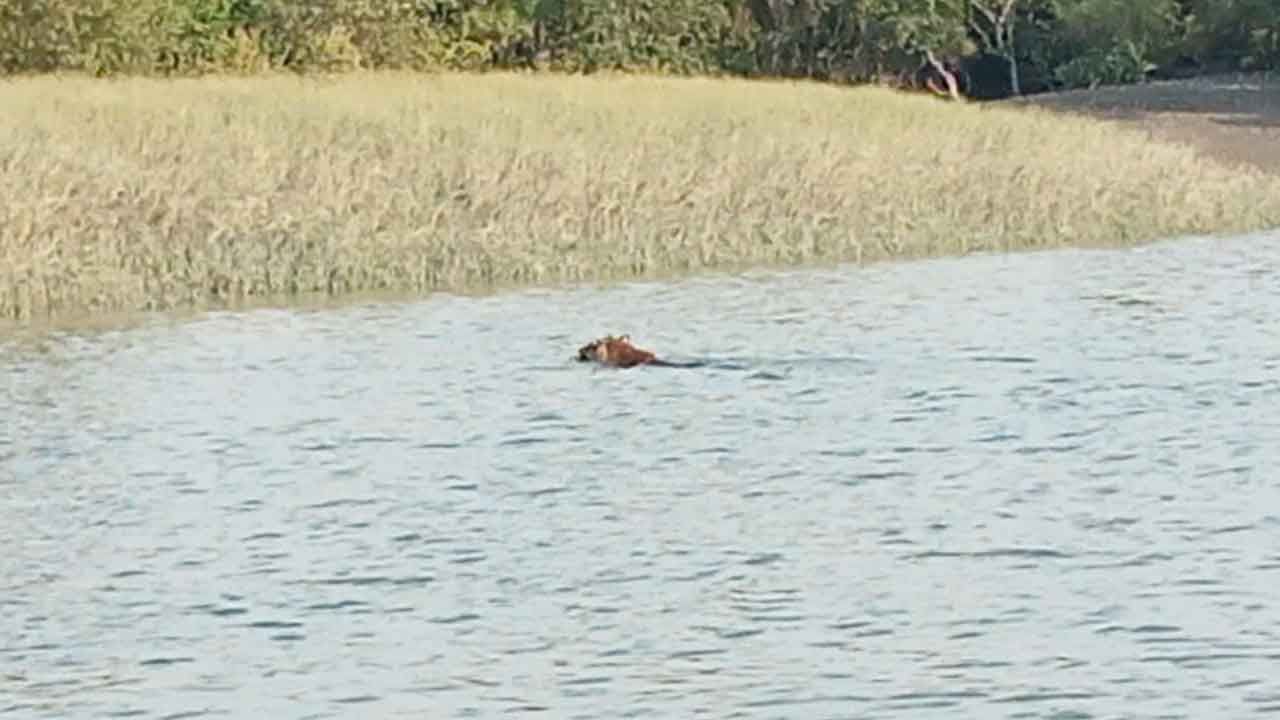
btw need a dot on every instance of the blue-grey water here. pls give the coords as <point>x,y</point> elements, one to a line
<point>1029,486</point>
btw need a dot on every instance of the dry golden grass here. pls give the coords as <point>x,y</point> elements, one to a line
<point>152,194</point>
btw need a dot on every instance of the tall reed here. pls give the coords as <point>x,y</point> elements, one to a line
<point>153,194</point>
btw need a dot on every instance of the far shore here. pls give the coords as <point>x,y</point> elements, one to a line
<point>1233,118</point>
<point>148,194</point>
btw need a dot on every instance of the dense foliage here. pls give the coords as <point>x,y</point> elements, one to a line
<point>1000,45</point>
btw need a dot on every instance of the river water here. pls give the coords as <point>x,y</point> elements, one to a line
<point>1027,486</point>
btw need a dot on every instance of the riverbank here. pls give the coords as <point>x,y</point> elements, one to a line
<point>144,194</point>
<point>1232,118</point>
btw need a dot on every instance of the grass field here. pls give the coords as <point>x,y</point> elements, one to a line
<point>133,194</point>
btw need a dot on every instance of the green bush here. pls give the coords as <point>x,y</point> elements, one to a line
<point>1115,41</point>
<point>1243,33</point>
<point>1054,42</point>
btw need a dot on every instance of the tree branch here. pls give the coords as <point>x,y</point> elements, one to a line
<point>953,88</point>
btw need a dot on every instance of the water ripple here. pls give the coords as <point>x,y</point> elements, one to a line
<point>1025,486</point>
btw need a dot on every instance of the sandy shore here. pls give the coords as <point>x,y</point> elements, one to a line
<point>1233,118</point>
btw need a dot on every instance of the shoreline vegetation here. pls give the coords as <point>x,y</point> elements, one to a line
<point>178,154</point>
<point>990,48</point>
<point>155,194</point>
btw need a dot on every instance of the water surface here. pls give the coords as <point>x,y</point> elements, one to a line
<point>1028,486</point>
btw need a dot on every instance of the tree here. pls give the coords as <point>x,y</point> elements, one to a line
<point>994,21</point>
<point>1244,32</point>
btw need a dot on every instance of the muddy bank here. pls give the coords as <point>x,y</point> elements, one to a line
<point>1232,118</point>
